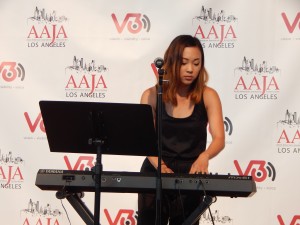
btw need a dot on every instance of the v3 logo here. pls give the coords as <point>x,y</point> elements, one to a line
<point>81,163</point>
<point>124,217</point>
<point>257,169</point>
<point>293,222</point>
<point>10,71</point>
<point>37,122</point>
<point>291,25</point>
<point>135,23</point>
<point>154,70</point>
<point>228,126</point>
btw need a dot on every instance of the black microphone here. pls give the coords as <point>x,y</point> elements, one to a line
<point>158,62</point>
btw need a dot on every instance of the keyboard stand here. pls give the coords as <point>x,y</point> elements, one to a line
<point>195,215</point>
<point>75,200</point>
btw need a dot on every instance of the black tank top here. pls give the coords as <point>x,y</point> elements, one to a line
<point>184,138</point>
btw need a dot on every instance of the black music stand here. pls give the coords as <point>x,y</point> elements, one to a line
<point>99,128</point>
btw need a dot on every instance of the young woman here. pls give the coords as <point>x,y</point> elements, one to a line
<point>189,105</point>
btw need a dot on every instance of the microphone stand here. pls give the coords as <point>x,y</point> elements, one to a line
<point>98,141</point>
<point>161,72</point>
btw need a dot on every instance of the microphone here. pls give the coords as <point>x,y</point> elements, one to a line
<point>158,62</point>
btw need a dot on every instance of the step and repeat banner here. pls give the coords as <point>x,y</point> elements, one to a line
<point>103,51</point>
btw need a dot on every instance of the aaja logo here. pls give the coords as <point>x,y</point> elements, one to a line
<point>288,133</point>
<point>256,80</point>
<point>47,29</point>
<point>36,213</point>
<point>11,176</point>
<point>86,80</point>
<point>215,29</point>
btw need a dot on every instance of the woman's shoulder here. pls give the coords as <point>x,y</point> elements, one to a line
<point>207,91</point>
<point>151,90</point>
<point>149,96</point>
<point>210,94</point>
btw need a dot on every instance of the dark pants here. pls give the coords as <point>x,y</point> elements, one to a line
<point>175,206</point>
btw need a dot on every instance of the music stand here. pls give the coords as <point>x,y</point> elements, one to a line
<point>99,128</point>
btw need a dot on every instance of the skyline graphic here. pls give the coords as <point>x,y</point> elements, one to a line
<point>250,66</point>
<point>9,158</point>
<point>216,216</point>
<point>207,15</point>
<point>35,208</point>
<point>79,65</point>
<point>41,15</point>
<point>290,119</point>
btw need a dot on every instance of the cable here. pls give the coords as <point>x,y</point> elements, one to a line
<point>62,195</point>
<point>204,191</point>
<point>180,198</point>
<point>65,211</point>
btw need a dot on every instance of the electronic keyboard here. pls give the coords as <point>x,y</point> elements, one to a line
<point>135,182</point>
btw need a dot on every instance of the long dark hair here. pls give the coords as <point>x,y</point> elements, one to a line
<point>172,64</point>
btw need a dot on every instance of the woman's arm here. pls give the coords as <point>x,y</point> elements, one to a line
<point>216,128</point>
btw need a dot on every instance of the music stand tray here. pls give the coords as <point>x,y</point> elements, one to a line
<point>126,129</point>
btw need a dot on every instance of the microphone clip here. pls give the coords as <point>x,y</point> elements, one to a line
<point>159,62</point>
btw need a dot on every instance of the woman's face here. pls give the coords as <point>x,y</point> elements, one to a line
<point>190,65</point>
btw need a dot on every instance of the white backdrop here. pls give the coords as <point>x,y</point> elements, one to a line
<point>102,51</point>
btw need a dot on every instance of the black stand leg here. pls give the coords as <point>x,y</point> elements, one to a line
<point>78,205</point>
<point>192,219</point>
<point>98,137</point>
<point>98,171</point>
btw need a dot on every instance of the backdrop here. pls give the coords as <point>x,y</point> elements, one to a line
<point>103,51</point>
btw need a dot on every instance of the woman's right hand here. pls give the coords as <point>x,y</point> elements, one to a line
<point>165,169</point>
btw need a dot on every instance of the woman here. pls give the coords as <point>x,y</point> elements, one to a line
<point>188,106</point>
